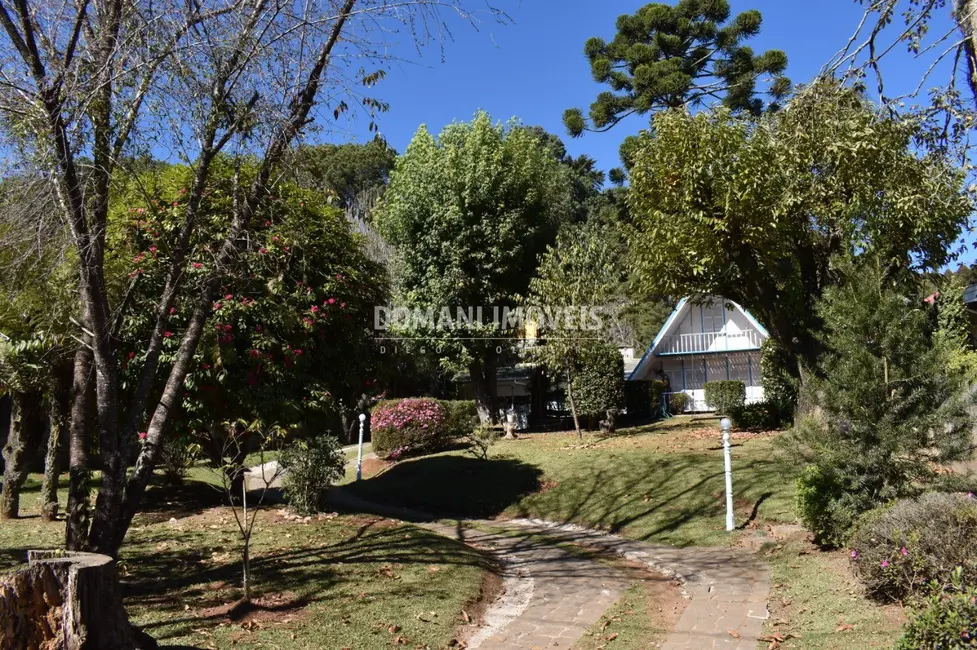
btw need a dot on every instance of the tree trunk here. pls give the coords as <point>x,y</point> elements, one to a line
<point>56,433</point>
<point>485,384</point>
<point>79,507</point>
<point>573,407</point>
<point>20,441</point>
<point>68,601</point>
<point>965,14</point>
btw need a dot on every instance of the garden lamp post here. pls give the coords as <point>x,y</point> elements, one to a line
<point>359,453</point>
<point>725,425</point>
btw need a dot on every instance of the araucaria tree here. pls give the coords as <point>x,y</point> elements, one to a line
<point>755,210</point>
<point>89,86</point>
<point>687,55</point>
<point>469,212</point>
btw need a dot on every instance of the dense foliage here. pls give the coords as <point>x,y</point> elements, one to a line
<point>755,210</point>
<point>599,384</point>
<point>409,426</point>
<point>310,467</point>
<point>778,370</point>
<point>899,552</point>
<point>723,396</point>
<point>890,408</point>
<point>289,342</point>
<point>948,622</point>
<point>469,213</point>
<point>758,416</point>
<point>678,403</point>
<point>462,417</point>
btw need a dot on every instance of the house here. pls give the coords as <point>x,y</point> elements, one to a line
<point>704,340</point>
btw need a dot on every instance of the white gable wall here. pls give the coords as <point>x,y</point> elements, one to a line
<point>715,343</point>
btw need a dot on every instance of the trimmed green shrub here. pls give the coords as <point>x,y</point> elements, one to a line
<point>722,396</point>
<point>311,466</point>
<point>949,621</point>
<point>599,384</point>
<point>409,426</point>
<point>900,551</point>
<point>825,507</point>
<point>759,416</point>
<point>462,417</point>
<point>643,399</point>
<point>678,402</point>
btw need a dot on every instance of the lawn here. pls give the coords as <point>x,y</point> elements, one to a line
<point>662,483</point>
<point>326,582</point>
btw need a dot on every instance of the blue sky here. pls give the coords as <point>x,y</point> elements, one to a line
<point>534,69</point>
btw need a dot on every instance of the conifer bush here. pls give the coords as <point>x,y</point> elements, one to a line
<point>890,409</point>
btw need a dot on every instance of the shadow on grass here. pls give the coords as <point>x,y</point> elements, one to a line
<point>311,572</point>
<point>452,486</point>
<point>163,501</point>
<point>678,498</point>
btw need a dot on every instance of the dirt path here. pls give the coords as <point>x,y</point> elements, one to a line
<point>568,592</point>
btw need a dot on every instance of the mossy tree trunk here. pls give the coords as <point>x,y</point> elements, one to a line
<point>20,441</point>
<point>57,425</point>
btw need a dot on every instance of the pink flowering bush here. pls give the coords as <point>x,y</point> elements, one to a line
<point>902,551</point>
<point>417,424</point>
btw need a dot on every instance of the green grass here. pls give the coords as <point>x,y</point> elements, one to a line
<point>333,582</point>
<point>662,482</point>
<point>815,599</point>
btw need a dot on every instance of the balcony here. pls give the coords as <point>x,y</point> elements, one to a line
<point>709,342</point>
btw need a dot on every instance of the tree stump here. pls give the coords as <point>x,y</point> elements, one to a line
<point>66,601</point>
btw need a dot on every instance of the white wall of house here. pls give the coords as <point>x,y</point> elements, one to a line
<point>704,343</point>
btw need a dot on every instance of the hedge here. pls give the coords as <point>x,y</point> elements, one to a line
<point>759,416</point>
<point>599,385</point>
<point>678,402</point>
<point>462,417</point>
<point>722,396</point>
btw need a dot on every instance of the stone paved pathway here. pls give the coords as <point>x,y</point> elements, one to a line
<point>728,587</point>
<point>568,592</point>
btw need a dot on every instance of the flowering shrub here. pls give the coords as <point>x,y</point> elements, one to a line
<point>902,551</point>
<point>948,621</point>
<point>419,424</point>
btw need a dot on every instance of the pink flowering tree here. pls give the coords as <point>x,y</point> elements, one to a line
<point>289,336</point>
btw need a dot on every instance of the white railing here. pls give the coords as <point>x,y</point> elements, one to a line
<point>709,342</point>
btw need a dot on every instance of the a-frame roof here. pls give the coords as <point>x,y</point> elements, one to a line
<point>676,317</point>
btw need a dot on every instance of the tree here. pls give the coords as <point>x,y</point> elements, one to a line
<point>581,270</point>
<point>346,171</point>
<point>291,344</point>
<point>239,76</point>
<point>756,210</point>
<point>891,408</point>
<point>686,55</point>
<point>469,212</point>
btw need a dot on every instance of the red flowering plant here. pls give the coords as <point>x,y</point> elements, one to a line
<point>408,425</point>
<point>289,334</point>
